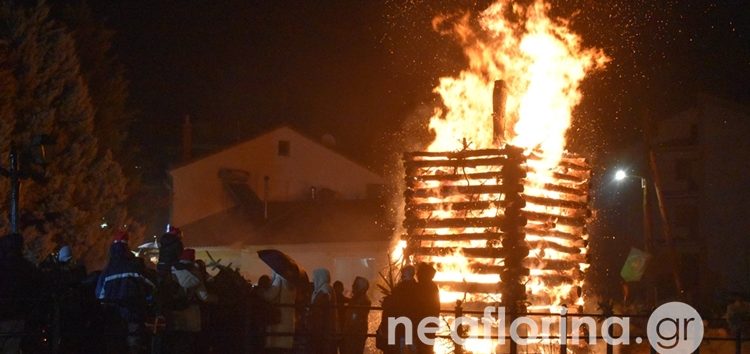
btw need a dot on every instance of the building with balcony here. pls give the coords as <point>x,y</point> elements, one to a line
<point>703,161</point>
<point>284,190</point>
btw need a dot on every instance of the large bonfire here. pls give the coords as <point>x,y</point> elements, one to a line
<point>459,187</point>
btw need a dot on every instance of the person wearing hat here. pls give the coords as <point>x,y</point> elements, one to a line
<point>123,289</point>
<point>170,249</point>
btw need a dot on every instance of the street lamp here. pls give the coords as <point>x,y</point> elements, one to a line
<point>622,175</point>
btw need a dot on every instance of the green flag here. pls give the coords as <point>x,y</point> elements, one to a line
<point>635,265</point>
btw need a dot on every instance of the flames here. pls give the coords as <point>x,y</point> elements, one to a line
<point>542,63</point>
<point>456,196</point>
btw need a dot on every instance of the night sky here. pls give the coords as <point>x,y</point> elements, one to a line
<point>364,71</point>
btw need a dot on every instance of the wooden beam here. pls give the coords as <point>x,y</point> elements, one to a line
<point>455,154</point>
<point>478,252</point>
<point>488,161</point>
<point>483,236</point>
<point>415,223</point>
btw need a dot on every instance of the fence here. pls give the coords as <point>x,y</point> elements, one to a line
<point>716,341</point>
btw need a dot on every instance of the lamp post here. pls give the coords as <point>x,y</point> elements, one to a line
<point>14,175</point>
<point>622,175</point>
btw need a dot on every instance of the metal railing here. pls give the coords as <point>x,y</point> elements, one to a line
<point>737,339</point>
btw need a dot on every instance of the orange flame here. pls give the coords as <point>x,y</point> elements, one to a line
<point>542,63</point>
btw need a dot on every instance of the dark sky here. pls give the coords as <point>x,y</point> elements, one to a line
<point>361,69</point>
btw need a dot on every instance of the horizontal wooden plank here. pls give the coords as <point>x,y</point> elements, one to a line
<point>452,177</point>
<point>466,251</point>
<point>454,154</point>
<point>479,236</point>
<point>466,287</point>
<point>546,232</point>
<point>415,223</point>
<point>555,202</point>
<point>473,162</point>
<point>474,205</point>
<point>554,264</point>
<point>556,219</point>
<point>554,246</point>
<point>468,191</point>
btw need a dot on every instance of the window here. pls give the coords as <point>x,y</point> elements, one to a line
<point>284,148</point>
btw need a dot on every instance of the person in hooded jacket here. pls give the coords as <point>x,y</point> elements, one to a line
<point>322,319</point>
<point>123,288</point>
<point>356,318</point>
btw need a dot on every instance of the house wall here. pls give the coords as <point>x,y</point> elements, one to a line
<point>703,159</point>
<point>198,191</point>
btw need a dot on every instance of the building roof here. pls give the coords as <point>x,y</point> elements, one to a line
<point>312,221</point>
<point>316,140</point>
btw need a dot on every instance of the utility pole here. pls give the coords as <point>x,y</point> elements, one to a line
<point>665,225</point>
<point>13,173</point>
<point>15,188</point>
<point>16,174</point>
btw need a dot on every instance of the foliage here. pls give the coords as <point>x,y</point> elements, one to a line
<point>389,276</point>
<point>84,184</point>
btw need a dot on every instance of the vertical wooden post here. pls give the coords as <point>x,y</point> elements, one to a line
<point>499,98</point>
<point>514,237</point>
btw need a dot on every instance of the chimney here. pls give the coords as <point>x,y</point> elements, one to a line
<point>499,96</point>
<point>187,139</point>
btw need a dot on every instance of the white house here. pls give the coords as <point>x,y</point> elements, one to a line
<point>287,191</point>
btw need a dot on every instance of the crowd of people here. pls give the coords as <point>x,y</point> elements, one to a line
<point>176,306</point>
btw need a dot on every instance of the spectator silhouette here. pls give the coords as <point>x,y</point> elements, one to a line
<point>322,318</point>
<point>429,300</point>
<point>356,319</point>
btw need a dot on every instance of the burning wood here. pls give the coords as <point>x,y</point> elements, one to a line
<point>496,235</point>
<point>495,201</point>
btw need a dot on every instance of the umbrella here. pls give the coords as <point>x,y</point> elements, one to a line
<point>283,265</point>
<point>149,245</point>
